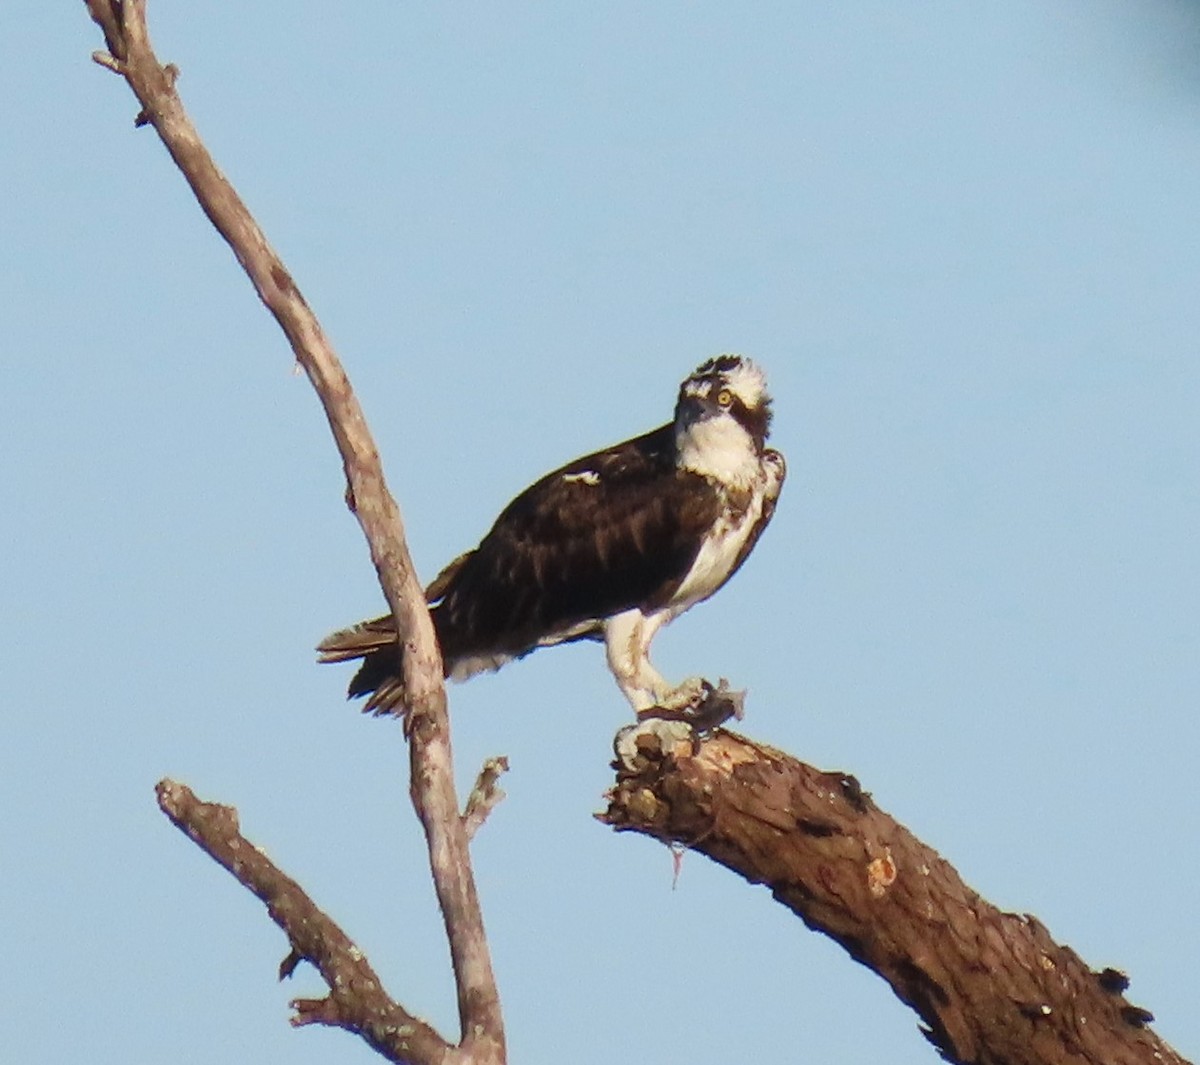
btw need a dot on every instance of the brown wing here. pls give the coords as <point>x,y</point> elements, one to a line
<point>602,534</point>
<point>606,532</point>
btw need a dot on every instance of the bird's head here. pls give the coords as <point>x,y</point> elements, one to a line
<point>723,417</point>
<point>728,386</point>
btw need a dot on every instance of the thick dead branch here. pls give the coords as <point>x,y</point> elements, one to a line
<point>432,782</point>
<point>992,988</point>
<point>356,999</point>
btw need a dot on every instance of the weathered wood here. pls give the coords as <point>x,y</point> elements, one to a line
<point>992,988</point>
<point>131,56</point>
<point>357,1000</point>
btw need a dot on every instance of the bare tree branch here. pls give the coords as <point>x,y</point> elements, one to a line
<point>432,782</point>
<point>992,988</point>
<point>356,999</point>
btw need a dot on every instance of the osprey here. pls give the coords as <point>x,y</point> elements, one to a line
<point>610,547</point>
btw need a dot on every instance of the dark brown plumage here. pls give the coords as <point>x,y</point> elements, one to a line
<point>617,530</point>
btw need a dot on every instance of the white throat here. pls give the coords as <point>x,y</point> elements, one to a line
<point>718,447</point>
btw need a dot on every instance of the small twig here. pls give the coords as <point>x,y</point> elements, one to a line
<point>107,15</point>
<point>486,794</point>
<point>110,63</point>
<point>356,999</point>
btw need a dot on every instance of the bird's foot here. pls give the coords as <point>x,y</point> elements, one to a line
<point>688,715</point>
<point>691,694</point>
<point>699,703</point>
<point>637,746</point>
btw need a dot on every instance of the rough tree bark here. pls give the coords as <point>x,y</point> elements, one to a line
<point>992,988</point>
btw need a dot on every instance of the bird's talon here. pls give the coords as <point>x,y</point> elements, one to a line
<point>690,695</point>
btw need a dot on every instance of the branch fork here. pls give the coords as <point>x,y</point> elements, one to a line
<point>130,54</point>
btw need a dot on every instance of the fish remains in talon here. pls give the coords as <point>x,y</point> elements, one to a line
<point>610,547</point>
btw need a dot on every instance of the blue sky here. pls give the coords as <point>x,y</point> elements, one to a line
<point>962,240</point>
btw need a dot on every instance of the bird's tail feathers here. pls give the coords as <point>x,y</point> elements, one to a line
<point>387,696</point>
<point>379,677</point>
<point>358,641</point>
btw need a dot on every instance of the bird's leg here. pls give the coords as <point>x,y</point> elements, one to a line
<point>627,639</point>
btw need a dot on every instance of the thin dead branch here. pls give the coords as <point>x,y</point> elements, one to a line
<point>486,794</point>
<point>129,54</point>
<point>356,999</point>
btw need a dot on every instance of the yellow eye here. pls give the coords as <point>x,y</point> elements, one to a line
<point>724,397</point>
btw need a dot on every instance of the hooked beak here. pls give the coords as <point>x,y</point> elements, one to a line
<point>690,409</point>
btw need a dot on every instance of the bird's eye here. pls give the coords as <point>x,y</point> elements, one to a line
<point>724,397</point>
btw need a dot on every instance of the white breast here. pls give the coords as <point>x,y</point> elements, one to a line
<point>725,542</point>
<point>716,558</point>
